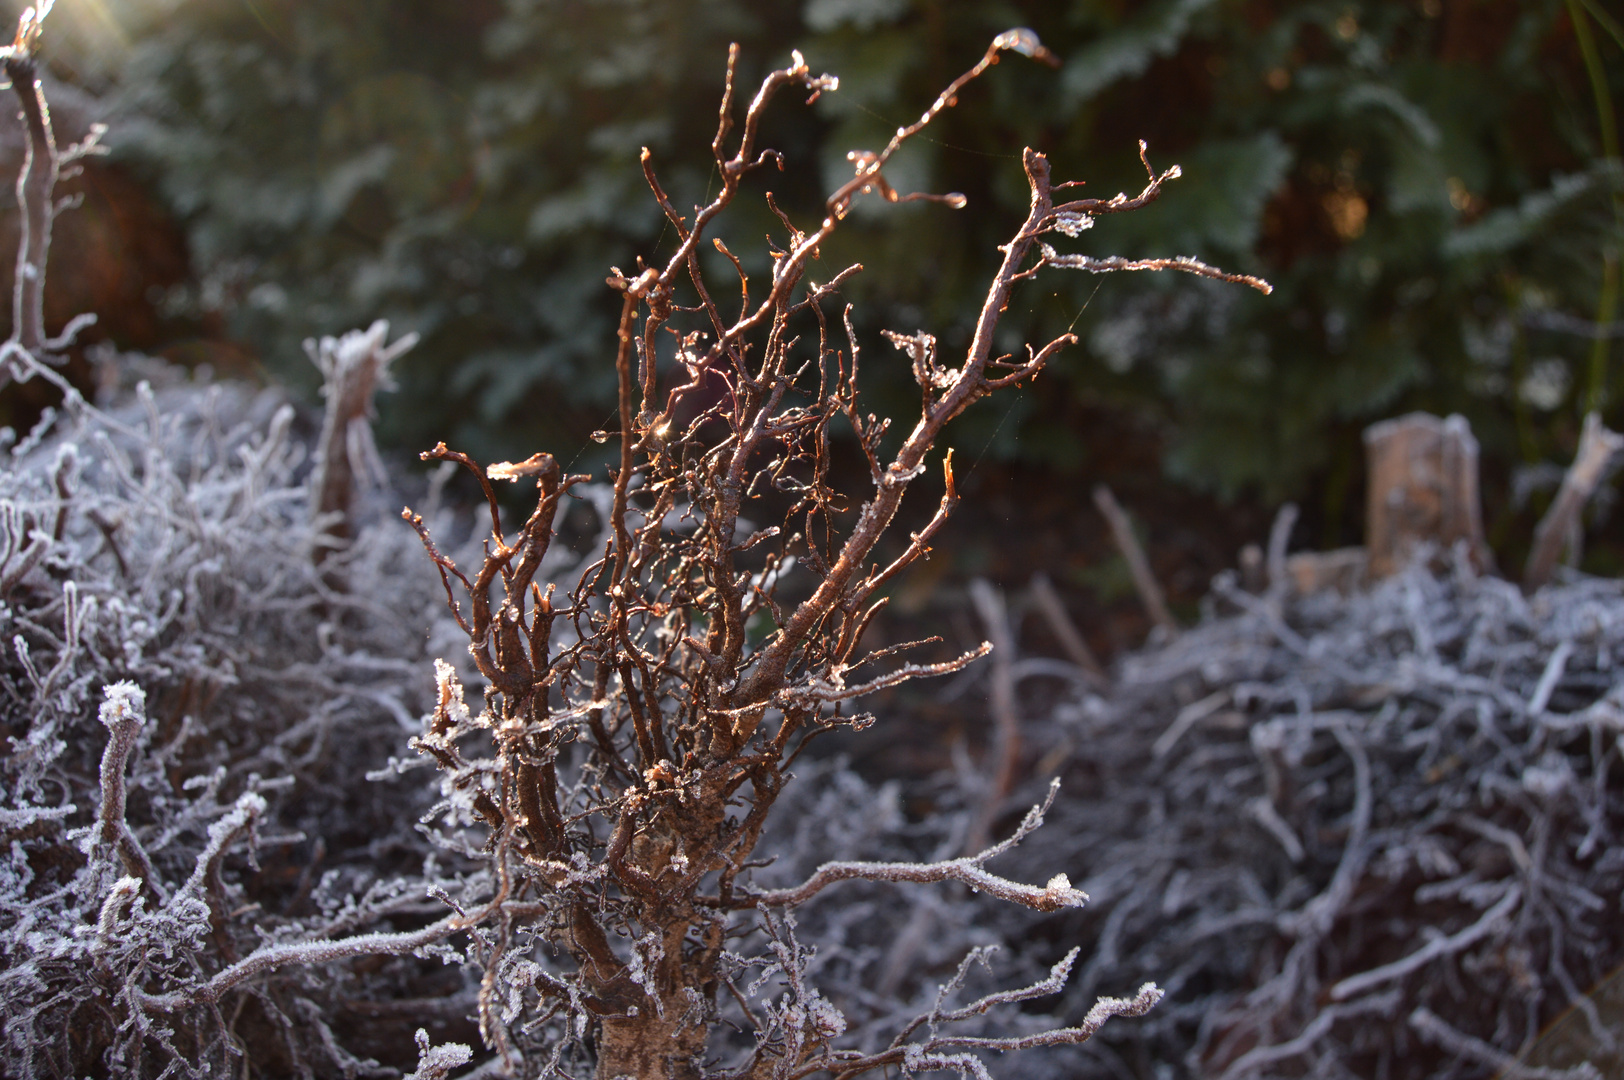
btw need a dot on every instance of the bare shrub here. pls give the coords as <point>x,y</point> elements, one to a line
<point>637,729</point>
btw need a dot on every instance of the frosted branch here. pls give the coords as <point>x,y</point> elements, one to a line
<point>272,957</point>
<point>1056,894</point>
<point>1444,946</point>
<point>123,712</point>
<point>1442,1034</point>
<point>1597,448</point>
<point>1113,263</point>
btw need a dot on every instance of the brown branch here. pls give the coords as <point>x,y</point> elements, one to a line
<point>733,169</point>
<point>869,164</point>
<point>877,514</point>
<point>834,688</point>
<point>448,569</point>
<point>679,645</point>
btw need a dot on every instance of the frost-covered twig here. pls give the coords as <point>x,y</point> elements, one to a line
<point>936,1051</point>
<point>123,713</point>
<point>1506,1067</point>
<point>1005,749</point>
<point>1115,263</point>
<point>1056,894</point>
<point>1442,946</point>
<point>1048,603</point>
<point>271,958</point>
<point>436,1062</point>
<point>29,346</point>
<point>1279,537</point>
<point>36,187</point>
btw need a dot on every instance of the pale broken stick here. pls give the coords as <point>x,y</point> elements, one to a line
<point>1006,748</point>
<point>1053,611</point>
<point>1144,583</point>
<point>354,367</point>
<point>1597,446</point>
<point>1279,537</point>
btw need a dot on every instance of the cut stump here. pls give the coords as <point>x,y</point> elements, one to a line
<point>1422,491</point>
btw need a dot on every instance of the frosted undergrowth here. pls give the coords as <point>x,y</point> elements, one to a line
<point>1365,836</point>
<point>156,570</point>
<point>1335,828</point>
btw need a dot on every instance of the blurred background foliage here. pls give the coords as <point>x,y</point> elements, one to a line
<point>1432,185</point>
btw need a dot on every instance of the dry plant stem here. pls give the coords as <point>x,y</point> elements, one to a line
<point>965,870</point>
<point>36,188</point>
<point>123,714</point>
<point>1279,539</point>
<point>1115,263</point>
<point>29,348</point>
<point>353,368</point>
<point>1597,448</point>
<point>969,383</point>
<point>930,1053</point>
<point>1442,946</point>
<point>1188,717</point>
<point>1071,640</point>
<point>1436,1030</point>
<point>1056,894</point>
<point>1006,742</point>
<point>271,958</point>
<point>1250,1062</point>
<point>1144,582</point>
<point>16,564</point>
